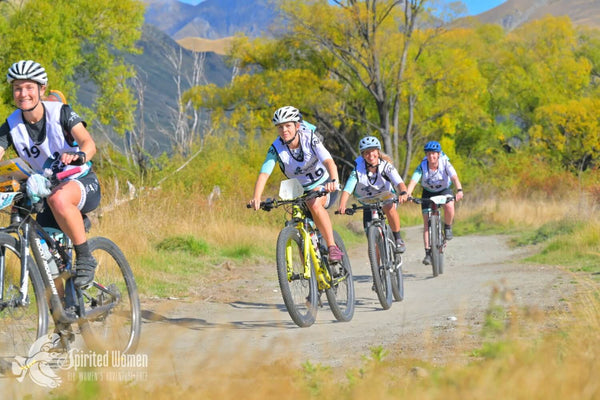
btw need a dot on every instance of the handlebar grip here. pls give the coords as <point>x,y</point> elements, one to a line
<point>65,174</point>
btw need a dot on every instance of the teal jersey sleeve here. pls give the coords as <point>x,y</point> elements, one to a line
<point>351,182</point>
<point>270,162</point>
<point>416,176</point>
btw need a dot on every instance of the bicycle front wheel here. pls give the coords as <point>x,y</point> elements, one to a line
<point>434,242</point>
<point>378,259</point>
<point>298,285</point>
<point>112,315</point>
<point>340,294</point>
<point>23,315</point>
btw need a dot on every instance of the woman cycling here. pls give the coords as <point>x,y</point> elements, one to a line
<point>50,136</point>
<point>374,174</point>
<point>437,175</point>
<point>301,154</point>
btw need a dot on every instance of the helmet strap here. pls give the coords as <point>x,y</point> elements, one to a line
<point>291,140</point>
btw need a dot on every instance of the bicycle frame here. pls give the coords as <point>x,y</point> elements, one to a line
<point>309,252</point>
<point>30,233</point>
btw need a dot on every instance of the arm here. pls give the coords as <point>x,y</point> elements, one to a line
<point>259,186</point>
<point>334,182</point>
<point>85,142</point>
<point>411,186</point>
<point>457,184</point>
<point>343,200</point>
<point>402,189</point>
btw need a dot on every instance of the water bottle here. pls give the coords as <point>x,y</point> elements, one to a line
<point>47,256</point>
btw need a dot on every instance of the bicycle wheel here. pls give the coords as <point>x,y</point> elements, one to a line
<point>341,293</point>
<point>379,265</point>
<point>434,242</point>
<point>299,291</point>
<point>22,320</point>
<point>112,317</point>
<point>396,277</point>
<point>441,247</point>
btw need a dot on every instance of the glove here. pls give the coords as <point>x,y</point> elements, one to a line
<point>38,187</point>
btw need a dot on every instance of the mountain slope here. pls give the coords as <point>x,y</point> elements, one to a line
<point>514,13</point>
<point>211,19</point>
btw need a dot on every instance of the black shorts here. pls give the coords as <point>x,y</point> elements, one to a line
<point>427,195</point>
<point>90,200</point>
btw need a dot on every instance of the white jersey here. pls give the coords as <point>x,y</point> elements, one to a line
<point>438,180</point>
<point>368,184</point>
<point>45,154</point>
<point>306,162</point>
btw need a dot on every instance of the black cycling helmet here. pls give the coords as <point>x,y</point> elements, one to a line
<point>433,146</point>
<point>27,70</point>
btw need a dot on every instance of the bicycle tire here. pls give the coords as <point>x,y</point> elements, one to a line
<point>397,279</point>
<point>340,295</point>
<point>299,293</point>
<point>118,329</point>
<point>20,324</point>
<point>434,243</point>
<point>379,265</point>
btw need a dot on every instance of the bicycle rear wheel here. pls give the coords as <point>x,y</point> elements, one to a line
<point>22,320</point>
<point>298,290</point>
<point>378,259</point>
<point>434,242</point>
<point>112,319</point>
<point>341,293</point>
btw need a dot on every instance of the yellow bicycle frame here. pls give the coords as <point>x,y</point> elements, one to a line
<point>308,252</point>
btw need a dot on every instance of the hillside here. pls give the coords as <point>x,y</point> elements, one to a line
<point>514,13</point>
<point>211,19</point>
<point>158,79</point>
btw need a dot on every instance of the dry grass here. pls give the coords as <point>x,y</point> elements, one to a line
<point>218,46</point>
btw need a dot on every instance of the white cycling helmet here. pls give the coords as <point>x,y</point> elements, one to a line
<point>369,142</point>
<point>27,70</point>
<point>286,114</point>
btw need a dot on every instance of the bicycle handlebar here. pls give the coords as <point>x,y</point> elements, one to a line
<point>379,204</point>
<point>269,203</point>
<point>421,200</point>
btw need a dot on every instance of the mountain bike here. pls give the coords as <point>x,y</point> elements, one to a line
<point>303,267</point>
<point>386,264</point>
<point>36,280</point>
<point>435,229</point>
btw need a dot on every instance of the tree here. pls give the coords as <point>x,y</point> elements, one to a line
<point>77,40</point>
<point>568,133</point>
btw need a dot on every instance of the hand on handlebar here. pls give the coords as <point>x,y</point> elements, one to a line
<point>254,203</point>
<point>73,158</point>
<point>37,187</point>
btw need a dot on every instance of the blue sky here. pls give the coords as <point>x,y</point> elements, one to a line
<point>474,6</point>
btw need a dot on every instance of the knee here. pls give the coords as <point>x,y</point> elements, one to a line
<point>56,201</point>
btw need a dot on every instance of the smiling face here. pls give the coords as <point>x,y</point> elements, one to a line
<point>433,158</point>
<point>26,94</point>
<point>371,156</point>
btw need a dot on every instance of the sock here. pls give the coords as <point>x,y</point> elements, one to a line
<point>427,251</point>
<point>82,250</point>
<point>448,226</point>
<point>397,235</point>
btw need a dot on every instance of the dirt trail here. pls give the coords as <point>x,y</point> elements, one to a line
<point>439,318</point>
<point>242,321</point>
